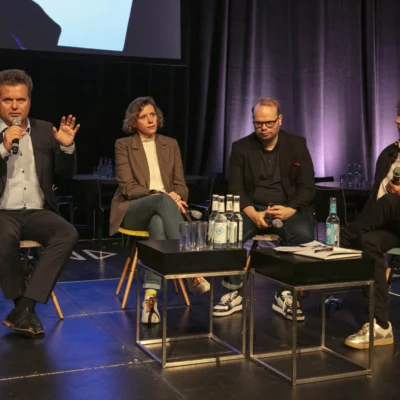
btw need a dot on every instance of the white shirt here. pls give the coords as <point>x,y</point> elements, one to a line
<point>156,182</point>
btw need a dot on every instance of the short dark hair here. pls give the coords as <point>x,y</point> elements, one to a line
<point>267,101</point>
<point>13,77</point>
<point>133,111</point>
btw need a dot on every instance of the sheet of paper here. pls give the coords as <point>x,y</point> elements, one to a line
<point>313,244</point>
<point>288,249</point>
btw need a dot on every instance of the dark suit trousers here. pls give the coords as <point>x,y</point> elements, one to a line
<point>58,238</point>
<point>375,231</point>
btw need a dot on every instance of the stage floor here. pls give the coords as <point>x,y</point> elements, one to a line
<point>91,354</point>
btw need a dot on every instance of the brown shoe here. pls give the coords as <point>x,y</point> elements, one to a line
<point>39,330</point>
<point>25,322</point>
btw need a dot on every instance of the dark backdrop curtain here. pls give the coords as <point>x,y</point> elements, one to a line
<point>333,64</point>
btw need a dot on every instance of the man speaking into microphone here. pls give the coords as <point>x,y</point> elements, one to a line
<point>31,153</point>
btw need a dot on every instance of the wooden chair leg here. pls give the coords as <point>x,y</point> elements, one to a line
<point>388,274</point>
<point>248,262</point>
<point>187,301</point>
<point>176,286</point>
<point>130,279</point>
<point>56,305</point>
<point>121,280</point>
<point>125,269</point>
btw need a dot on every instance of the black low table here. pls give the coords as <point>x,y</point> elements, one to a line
<point>299,273</point>
<point>164,258</point>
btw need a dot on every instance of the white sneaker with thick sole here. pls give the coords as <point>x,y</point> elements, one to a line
<point>360,340</point>
<point>283,305</point>
<point>150,314</point>
<point>198,285</point>
<point>229,304</point>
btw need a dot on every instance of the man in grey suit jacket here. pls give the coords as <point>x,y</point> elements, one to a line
<point>151,192</point>
<point>27,205</point>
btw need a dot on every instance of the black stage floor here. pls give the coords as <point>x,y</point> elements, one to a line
<point>91,354</point>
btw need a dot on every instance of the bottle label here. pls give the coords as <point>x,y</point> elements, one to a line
<point>220,232</point>
<point>332,234</point>
<point>214,205</point>
<point>210,231</point>
<point>233,232</point>
<point>240,234</point>
<point>332,209</point>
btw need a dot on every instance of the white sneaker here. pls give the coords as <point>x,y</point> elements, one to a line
<point>229,304</point>
<point>360,340</point>
<point>198,285</point>
<point>283,305</point>
<point>150,314</point>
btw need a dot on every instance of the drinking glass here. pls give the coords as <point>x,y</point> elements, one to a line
<point>194,235</point>
<point>202,235</point>
<point>184,236</point>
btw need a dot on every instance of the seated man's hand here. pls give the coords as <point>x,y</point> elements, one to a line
<point>258,217</point>
<point>391,188</point>
<point>281,212</point>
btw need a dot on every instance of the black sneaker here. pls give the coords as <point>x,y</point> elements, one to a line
<point>283,305</point>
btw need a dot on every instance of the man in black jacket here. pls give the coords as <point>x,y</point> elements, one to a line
<point>375,231</point>
<point>28,209</point>
<point>273,173</point>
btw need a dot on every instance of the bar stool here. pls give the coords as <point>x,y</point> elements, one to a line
<point>30,244</point>
<point>270,238</point>
<point>131,262</point>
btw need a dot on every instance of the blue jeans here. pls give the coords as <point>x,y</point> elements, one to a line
<point>159,215</point>
<point>296,230</point>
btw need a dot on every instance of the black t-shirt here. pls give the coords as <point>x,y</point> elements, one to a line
<point>269,189</point>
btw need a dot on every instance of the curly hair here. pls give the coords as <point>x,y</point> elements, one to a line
<point>13,77</point>
<point>267,101</point>
<point>133,111</point>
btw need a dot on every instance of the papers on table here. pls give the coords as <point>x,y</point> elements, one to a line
<point>288,249</point>
<point>319,250</point>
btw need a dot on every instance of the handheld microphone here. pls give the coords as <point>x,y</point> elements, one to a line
<point>196,214</point>
<point>15,143</point>
<point>192,213</point>
<point>277,223</point>
<point>396,176</point>
<point>272,221</point>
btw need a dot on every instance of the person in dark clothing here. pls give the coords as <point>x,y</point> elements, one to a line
<point>270,166</point>
<point>28,209</point>
<point>375,231</point>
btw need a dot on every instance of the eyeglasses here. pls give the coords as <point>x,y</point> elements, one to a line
<point>268,124</point>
